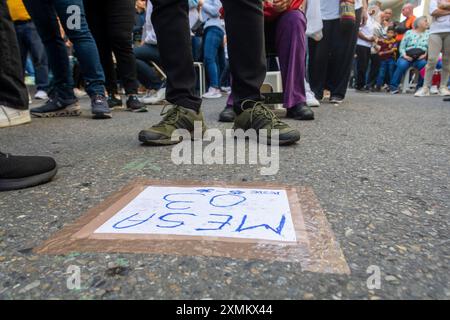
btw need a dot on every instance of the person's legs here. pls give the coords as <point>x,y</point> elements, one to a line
<point>146,74</point>
<point>343,52</point>
<point>384,66</point>
<point>290,41</point>
<point>244,22</point>
<point>121,19</point>
<point>373,72</point>
<point>213,40</point>
<point>445,73</point>
<point>171,21</point>
<point>96,16</point>
<point>435,45</point>
<point>13,93</point>
<point>45,20</point>
<point>363,54</point>
<point>84,46</point>
<point>391,70</point>
<point>291,49</point>
<point>402,66</point>
<point>38,56</point>
<point>319,56</point>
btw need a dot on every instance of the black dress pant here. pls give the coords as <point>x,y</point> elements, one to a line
<point>244,22</point>
<point>13,92</point>
<point>362,64</point>
<point>374,66</point>
<point>330,59</point>
<point>111,23</point>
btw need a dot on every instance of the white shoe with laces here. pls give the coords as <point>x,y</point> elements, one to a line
<point>443,91</point>
<point>213,93</point>
<point>41,95</point>
<point>150,94</point>
<point>422,92</point>
<point>13,117</point>
<point>311,100</point>
<point>157,97</point>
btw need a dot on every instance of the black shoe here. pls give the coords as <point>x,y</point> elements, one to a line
<point>100,108</point>
<point>134,105</point>
<point>56,107</point>
<point>18,172</point>
<point>300,112</point>
<point>227,115</point>
<point>362,90</point>
<point>114,103</point>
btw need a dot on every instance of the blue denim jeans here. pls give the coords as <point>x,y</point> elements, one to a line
<point>44,14</point>
<point>387,67</point>
<point>30,44</point>
<point>402,66</point>
<point>214,55</point>
<point>146,74</point>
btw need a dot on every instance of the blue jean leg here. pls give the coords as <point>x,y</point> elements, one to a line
<point>402,66</point>
<point>382,73</point>
<point>30,43</point>
<point>145,73</point>
<point>213,43</point>
<point>84,46</point>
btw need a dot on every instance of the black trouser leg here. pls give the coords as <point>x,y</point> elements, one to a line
<point>121,19</point>
<point>343,51</point>
<point>363,54</point>
<point>244,22</point>
<point>171,22</point>
<point>13,92</point>
<point>375,62</point>
<point>319,55</point>
<point>96,15</point>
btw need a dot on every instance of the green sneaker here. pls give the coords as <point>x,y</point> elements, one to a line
<point>175,118</point>
<point>260,117</point>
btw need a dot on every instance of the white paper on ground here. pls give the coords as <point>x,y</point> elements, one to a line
<point>216,212</point>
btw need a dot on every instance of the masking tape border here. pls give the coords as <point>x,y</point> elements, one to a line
<point>316,248</point>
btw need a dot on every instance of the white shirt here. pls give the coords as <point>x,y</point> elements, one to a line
<point>440,24</point>
<point>367,30</point>
<point>330,8</point>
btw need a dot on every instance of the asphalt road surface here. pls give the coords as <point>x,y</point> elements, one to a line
<point>379,165</point>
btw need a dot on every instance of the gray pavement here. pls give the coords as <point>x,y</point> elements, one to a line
<point>379,165</point>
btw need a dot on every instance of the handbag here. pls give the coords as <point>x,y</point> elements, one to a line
<point>415,53</point>
<point>198,29</point>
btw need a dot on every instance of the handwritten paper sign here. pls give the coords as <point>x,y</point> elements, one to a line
<point>215,212</point>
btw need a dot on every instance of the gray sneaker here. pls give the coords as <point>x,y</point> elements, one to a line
<point>100,107</point>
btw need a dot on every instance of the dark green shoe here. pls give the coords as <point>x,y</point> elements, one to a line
<point>175,118</point>
<point>260,117</point>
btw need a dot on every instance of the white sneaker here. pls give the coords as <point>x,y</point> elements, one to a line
<point>213,93</point>
<point>311,100</point>
<point>422,92</point>
<point>148,95</point>
<point>154,98</point>
<point>13,117</point>
<point>443,91</point>
<point>226,89</point>
<point>434,90</point>
<point>41,95</point>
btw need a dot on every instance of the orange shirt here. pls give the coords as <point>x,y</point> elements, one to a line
<point>409,23</point>
<point>18,11</point>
